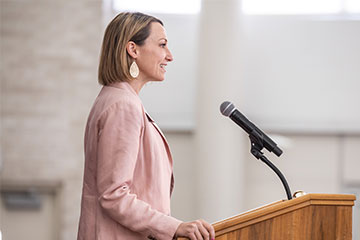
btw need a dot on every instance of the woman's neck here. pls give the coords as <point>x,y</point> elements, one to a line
<point>136,84</point>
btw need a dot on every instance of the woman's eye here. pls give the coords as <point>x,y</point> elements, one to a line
<point>163,45</point>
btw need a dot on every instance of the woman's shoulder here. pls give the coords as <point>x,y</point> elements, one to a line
<point>120,93</point>
<point>117,98</point>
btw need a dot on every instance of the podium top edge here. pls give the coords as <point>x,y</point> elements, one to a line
<point>323,196</point>
<point>283,206</point>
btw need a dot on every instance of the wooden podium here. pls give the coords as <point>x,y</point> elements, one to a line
<point>309,217</point>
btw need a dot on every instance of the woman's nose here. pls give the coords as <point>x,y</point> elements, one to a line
<point>169,56</point>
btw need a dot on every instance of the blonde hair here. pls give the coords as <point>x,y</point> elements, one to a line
<point>114,60</point>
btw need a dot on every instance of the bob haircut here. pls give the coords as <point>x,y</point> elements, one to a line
<point>114,60</point>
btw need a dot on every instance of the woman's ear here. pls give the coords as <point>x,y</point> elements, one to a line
<point>131,49</point>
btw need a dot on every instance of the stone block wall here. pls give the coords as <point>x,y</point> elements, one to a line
<point>49,58</point>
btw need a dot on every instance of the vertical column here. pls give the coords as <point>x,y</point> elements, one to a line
<point>220,144</point>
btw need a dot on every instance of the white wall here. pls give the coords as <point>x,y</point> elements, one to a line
<point>302,73</point>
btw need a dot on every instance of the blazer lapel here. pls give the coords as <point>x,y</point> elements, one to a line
<point>167,149</point>
<point>157,128</point>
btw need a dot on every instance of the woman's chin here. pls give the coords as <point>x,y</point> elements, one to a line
<point>158,79</point>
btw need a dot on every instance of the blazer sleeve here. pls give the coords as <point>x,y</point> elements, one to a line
<point>120,129</point>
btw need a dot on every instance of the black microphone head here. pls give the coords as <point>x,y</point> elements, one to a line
<point>226,108</point>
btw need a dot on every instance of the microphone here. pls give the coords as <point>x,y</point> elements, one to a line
<point>228,109</point>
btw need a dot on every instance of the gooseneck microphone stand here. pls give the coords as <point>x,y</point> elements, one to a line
<point>257,145</point>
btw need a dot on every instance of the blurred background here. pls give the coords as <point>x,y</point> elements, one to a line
<point>292,67</point>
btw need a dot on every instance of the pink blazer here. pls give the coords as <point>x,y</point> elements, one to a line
<point>128,176</point>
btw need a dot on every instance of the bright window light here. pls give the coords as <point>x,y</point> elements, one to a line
<point>353,6</point>
<point>159,6</point>
<point>300,6</point>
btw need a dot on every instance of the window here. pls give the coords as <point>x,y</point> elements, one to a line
<point>300,6</point>
<point>352,6</point>
<point>159,6</point>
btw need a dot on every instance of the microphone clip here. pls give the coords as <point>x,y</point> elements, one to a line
<point>257,145</point>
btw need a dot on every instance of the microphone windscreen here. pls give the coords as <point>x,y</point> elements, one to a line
<point>226,108</point>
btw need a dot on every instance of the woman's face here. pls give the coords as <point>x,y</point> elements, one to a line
<point>154,55</point>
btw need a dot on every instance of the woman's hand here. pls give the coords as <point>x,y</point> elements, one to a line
<point>196,230</point>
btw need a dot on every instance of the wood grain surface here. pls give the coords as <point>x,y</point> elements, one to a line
<point>309,217</point>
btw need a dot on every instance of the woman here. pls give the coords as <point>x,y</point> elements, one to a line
<point>128,175</point>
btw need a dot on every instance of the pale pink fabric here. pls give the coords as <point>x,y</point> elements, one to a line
<point>128,176</point>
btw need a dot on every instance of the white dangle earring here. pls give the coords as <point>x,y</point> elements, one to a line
<point>134,70</point>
